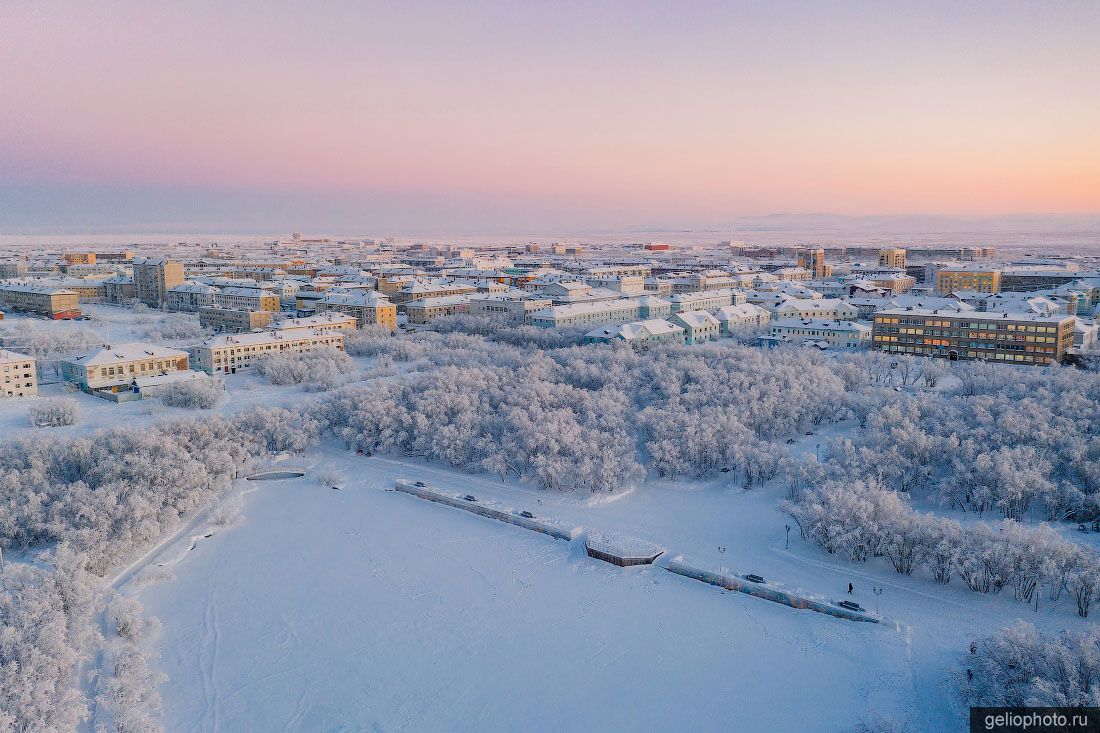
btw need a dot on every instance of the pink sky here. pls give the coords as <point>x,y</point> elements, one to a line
<point>591,112</point>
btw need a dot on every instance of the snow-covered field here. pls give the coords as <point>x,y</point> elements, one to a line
<point>362,609</point>
<point>367,609</point>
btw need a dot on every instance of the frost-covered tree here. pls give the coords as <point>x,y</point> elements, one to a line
<point>199,394</point>
<point>52,412</point>
<point>1020,666</point>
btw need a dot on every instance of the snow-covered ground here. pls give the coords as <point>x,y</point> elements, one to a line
<point>367,609</point>
<point>363,609</point>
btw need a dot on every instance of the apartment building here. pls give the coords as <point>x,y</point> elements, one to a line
<point>1017,338</point>
<point>650,306</point>
<point>699,326</point>
<point>892,257</point>
<point>431,289</point>
<point>227,353</point>
<point>838,334</point>
<point>732,317</point>
<point>191,297</point>
<point>638,334</point>
<point>114,367</point>
<point>52,302</point>
<point>369,308</point>
<point>233,320</point>
<point>817,308</point>
<point>17,375</point>
<point>896,282</point>
<point>253,299</point>
<point>512,309</point>
<point>153,278</point>
<point>119,289</point>
<point>12,269</point>
<point>425,310</point>
<point>814,261</point>
<point>79,258</point>
<point>978,279</point>
<point>794,274</point>
<point>623,310</point>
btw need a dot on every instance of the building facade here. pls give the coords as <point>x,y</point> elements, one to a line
<point>892,257</point>
<point>117,366</point>
<point>153,278</point>
<point>52,302</point>
<point>1016,338</point>
<point>977,279</point>
<point>17,375</point>
<point>227,353</point>
<point>233,320</point>
<point>838,334</point>
<point>368,307</point>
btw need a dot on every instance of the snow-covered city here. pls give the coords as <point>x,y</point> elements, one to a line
<point>549,367</point>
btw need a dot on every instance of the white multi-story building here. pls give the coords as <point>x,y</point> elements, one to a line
<point>623,310</point>
<point>705,301</point>
<point>227,353</point>
<point>841,334</point>
<point>638,334</point>
<point>17,375</point>
<point>732,317</point>
<point>511,308</point>
<point>699,326</point>
<point>822,308</point>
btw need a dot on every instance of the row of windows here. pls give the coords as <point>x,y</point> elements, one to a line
<point>999,356</point>
<point>986,325</point>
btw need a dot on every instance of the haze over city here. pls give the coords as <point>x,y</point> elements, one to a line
<point>487,117</point>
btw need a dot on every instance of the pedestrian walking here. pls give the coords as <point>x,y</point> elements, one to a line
<point>850,588</point>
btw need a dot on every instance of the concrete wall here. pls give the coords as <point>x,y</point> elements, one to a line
<point>545,526</point>
<point>730,582</point>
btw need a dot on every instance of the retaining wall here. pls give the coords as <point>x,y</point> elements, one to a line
<point>550,527</point>
<point>732,582</point>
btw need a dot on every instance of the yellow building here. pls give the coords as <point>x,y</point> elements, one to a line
<point>153,278</point>
<point>893,257</point>
<point>52,302</point>
<point>80,258</point>
<point>117,366</point>
<point>368,307</point>
<point>978,279</point>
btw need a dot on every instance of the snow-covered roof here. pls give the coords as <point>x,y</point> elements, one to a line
<point>744,310</point>
<point>821,324</point>
<point>262,337</point>
<point>133,351</point>
<point>600,306</point>
<point>364,297</point>
<point>6,356</point>
<point>991,317</point>
<point>695,319</point>
<point>439,301</point>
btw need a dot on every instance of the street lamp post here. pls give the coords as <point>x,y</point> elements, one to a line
<point>788,545</point>
<point>878,594</point>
